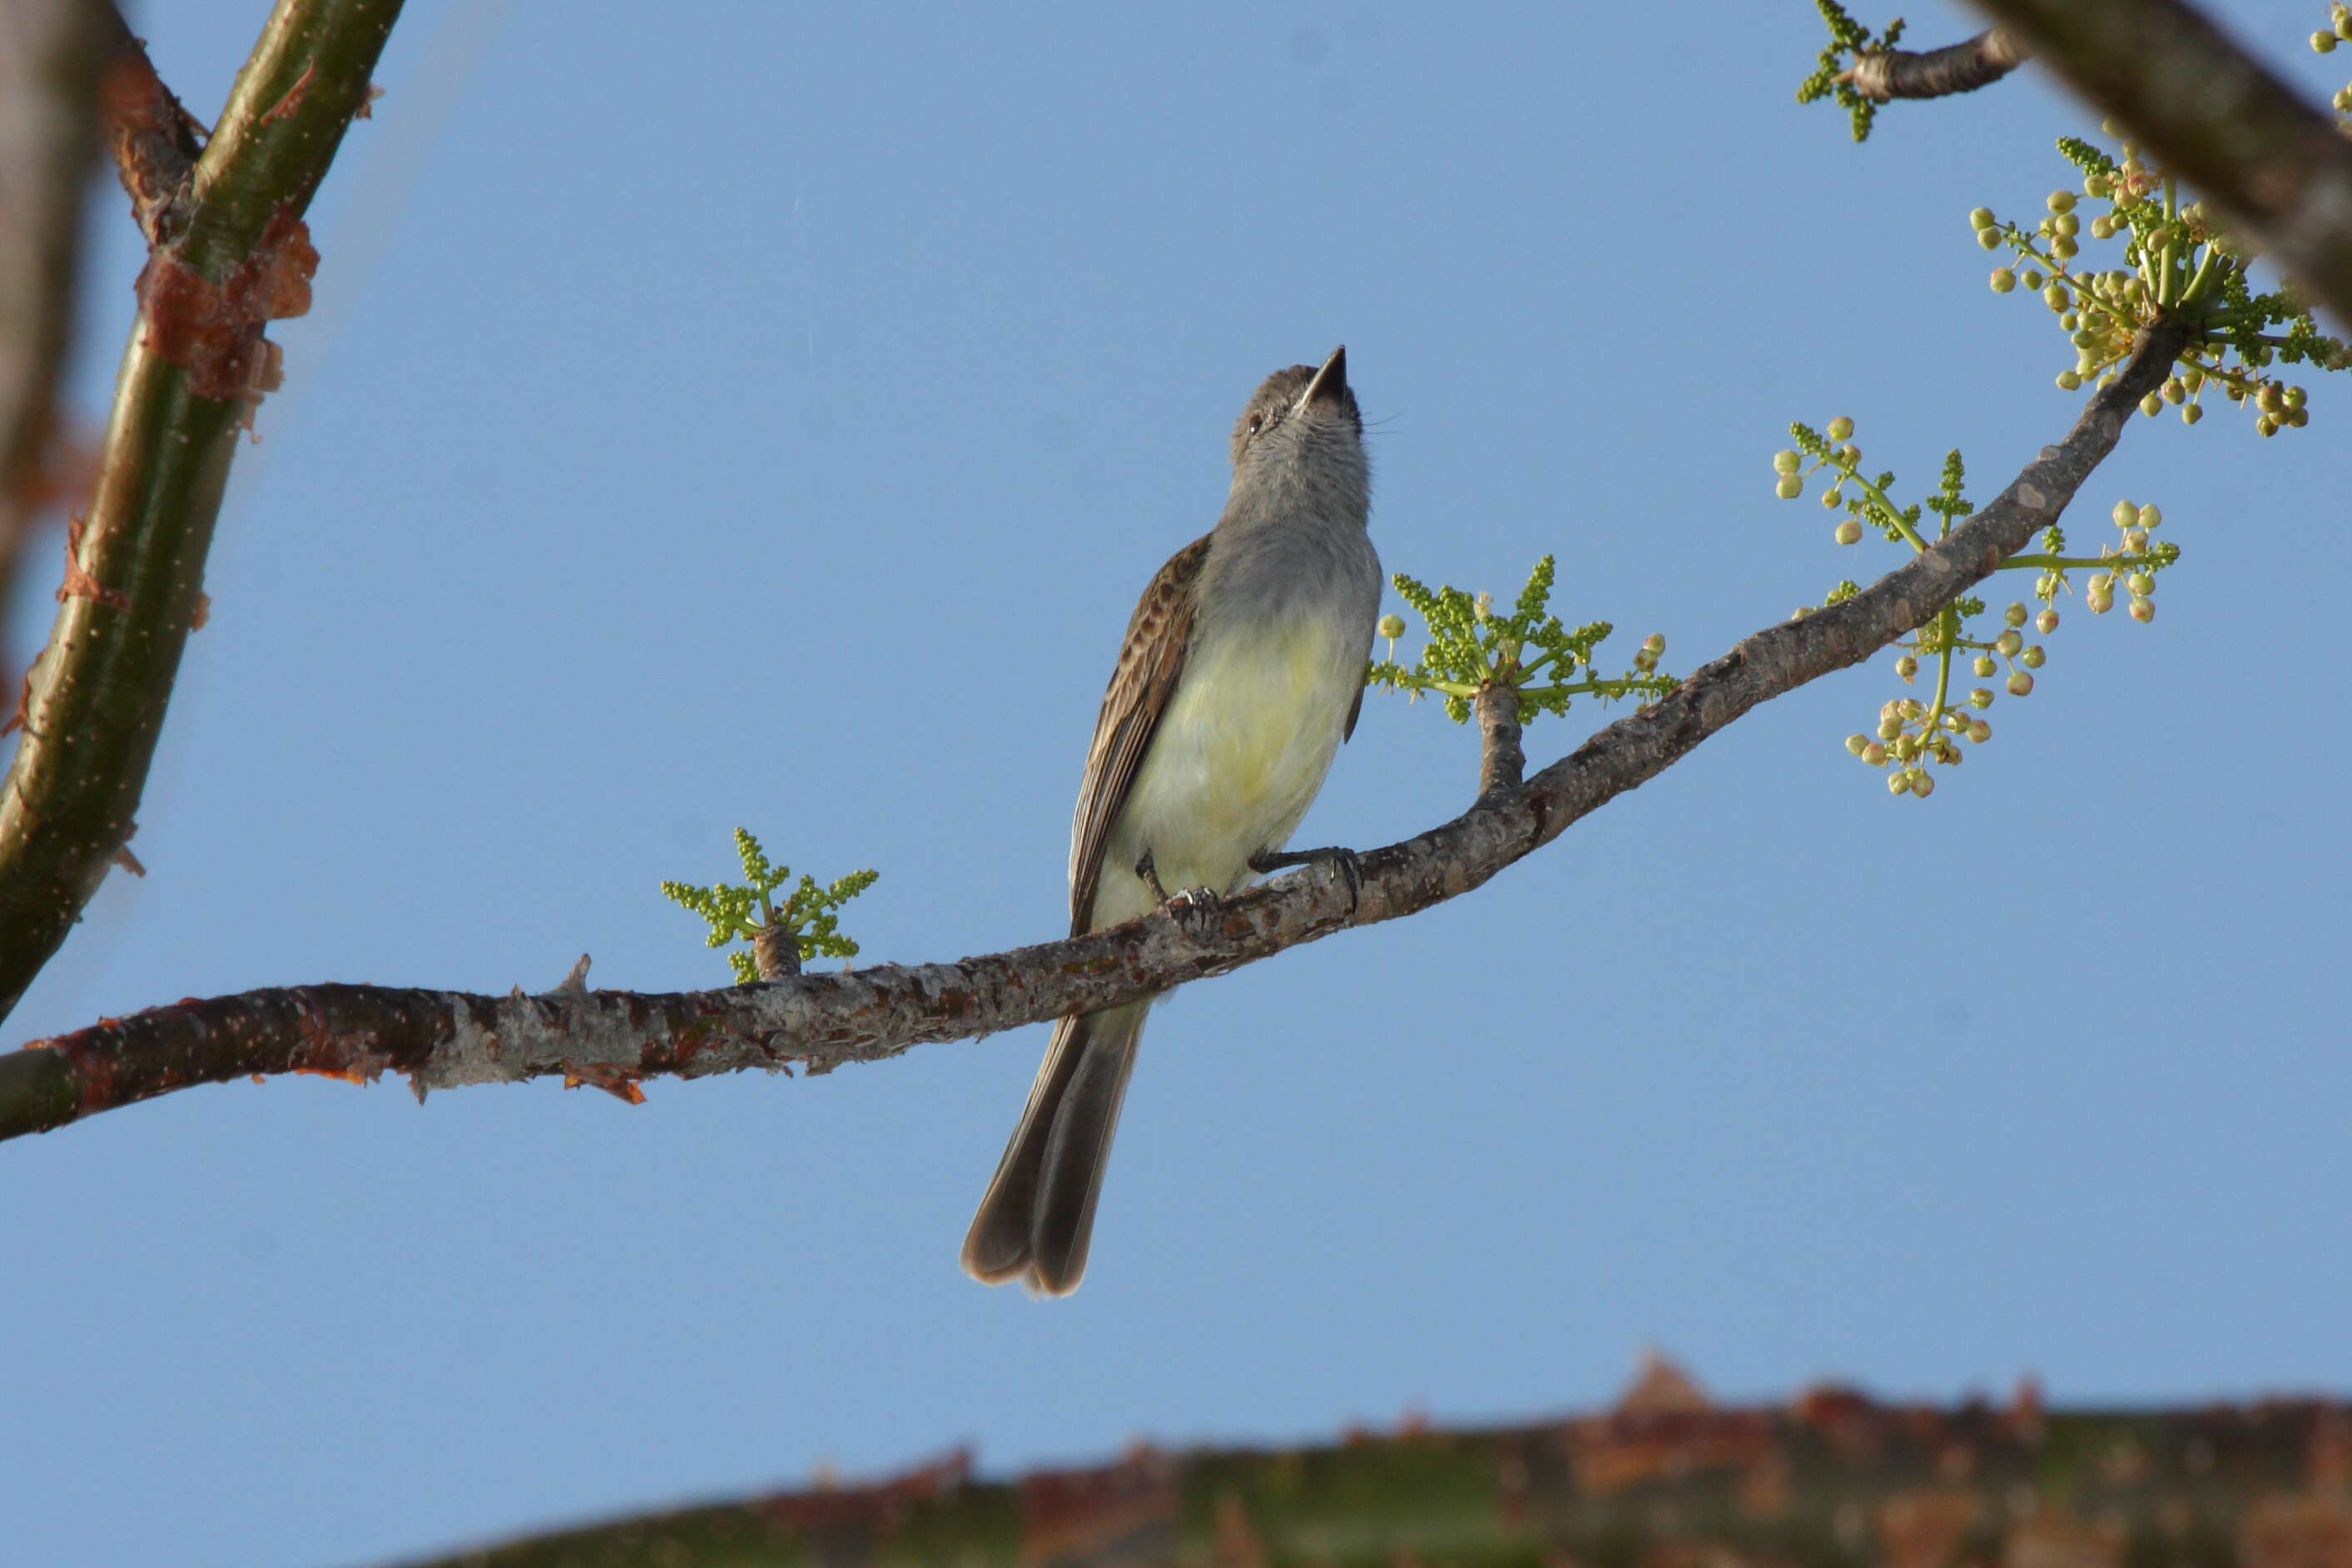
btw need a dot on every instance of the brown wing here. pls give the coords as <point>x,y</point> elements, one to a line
<point>1150,660</point>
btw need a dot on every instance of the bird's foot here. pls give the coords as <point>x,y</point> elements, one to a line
<point>1189,906</point>
<point>1344,862</point>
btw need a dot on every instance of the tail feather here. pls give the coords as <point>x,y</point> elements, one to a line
<point>1038,1215</point>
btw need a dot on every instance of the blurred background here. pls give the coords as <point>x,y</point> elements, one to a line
<point>768,417</point>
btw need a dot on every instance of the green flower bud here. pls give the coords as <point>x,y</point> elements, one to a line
<point>2068,381</point>
<point>2193,378</point>
<point>2020,683</point>
<point>2125,514</point>
<point>2266,426</point>
<point>2067,222</point>
<point>1979,731</point>
<point>2191,414</point>
<point>2174,391</point>
<point>1654,644</point>
<point>1921,784</point>
<point>1983,667</point>
<point>1786,462</point>
<point>2298,418</point>
<point>2343,16</point>
<point>1848,531</point>
<point>1980,698</point>
<point>1906,667</point>
<point>2134,541</point>
<point>2056,297</point>
<point>1889,727</point>
<point>2045,586</point>
<point>2150,515</point>
<point>2032,657</point>
<point>1832,498</point>
<point>2008,643</point>
<point>2270,398</point>
<point>1789,487</point>
<point>2099,601</point>
<point>2046,622</point>
<point>2143,610</point>
<point>2294,396</point>
<point>1982,218</point>
<point>2096,184</point>
<point>1857,744</point>
<point>2062,201</point>
<point>1898,784</point>
<point>1840,427</point>
<point>1874,754</point>
<point>1850,454</point>
<point>2003,280</point>
<point>2322,43</point>
<point>1989,239</point>
<point>2103,227</point>
<point>2030,278</point>
<point>2014,615</point>
<point>1391,627</point>
<point>2101,582</point>
<point>2151,404</point>
<point>2064,248</point>
<point>2139,585</point>
<point>2071,321</point>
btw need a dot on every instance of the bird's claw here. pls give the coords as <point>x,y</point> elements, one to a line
<point>1346,863</point>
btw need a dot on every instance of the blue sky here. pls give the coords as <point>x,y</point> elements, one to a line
<point>771,420</point>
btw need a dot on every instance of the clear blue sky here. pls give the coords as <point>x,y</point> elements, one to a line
<point>770,417</point>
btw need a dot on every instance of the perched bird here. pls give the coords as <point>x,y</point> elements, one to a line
<point>1242,672</point>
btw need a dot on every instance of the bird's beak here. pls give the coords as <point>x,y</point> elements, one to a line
<point>1330,383</point>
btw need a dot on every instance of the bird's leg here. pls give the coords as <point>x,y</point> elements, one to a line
<point>1186,906</point>
<point>1343,861</point>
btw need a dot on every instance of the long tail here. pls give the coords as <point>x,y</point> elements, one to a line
<point>1039,1214</point>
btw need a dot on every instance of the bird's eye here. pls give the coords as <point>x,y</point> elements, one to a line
<point>1257,423</point>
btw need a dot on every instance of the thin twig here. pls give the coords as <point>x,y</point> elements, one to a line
<point>1885,73</point>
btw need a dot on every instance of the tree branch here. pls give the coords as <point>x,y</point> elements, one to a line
<point>94,702</point>
<point>1828,1479</point>
<point>2214,115</point>
<point>52,53</point>
<point>613,1038</point>
<point>1883,74</point>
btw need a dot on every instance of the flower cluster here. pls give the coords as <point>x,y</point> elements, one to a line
<point>2176,260</point>
<point>1913,735</point>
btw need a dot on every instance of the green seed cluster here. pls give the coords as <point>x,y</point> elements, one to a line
<point>2176,260</point>
<point>2339,20</point>
<point>809,911</point>
<point>1471,647</point>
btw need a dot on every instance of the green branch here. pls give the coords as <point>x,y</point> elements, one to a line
<point>94,703</point>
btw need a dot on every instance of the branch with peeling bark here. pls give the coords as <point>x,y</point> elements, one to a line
<point>2214,115</point>
<point>229,253</point>
<point>440,1039</point>
<point>1882,74</point>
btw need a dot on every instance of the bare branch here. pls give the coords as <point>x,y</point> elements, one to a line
<point>1885,73</point>
<point>234,255</point>
<point>1502,762</point>
<point>52,53</point>
<point>2214,114</point>
<point>612,1038</point>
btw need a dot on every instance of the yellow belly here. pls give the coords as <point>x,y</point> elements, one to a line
<point>1233,764</point>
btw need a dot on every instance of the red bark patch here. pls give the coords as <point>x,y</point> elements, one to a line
<point>618,1082</point>
<point>203,613</point>
<point>79,583</point>
<point>212,331</point>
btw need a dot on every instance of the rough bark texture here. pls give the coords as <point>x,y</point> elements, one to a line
<point>612,1038</point>
<point>2214,115</point>
<point>1831,1479</point>
<point>1502,761</point>
<point>236,255</point>
<point>52,55</point>
<point>1938,73</point>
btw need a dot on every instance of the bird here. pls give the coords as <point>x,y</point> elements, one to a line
<point>1241,674</point>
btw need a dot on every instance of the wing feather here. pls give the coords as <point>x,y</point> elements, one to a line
<point>1150,661</point>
